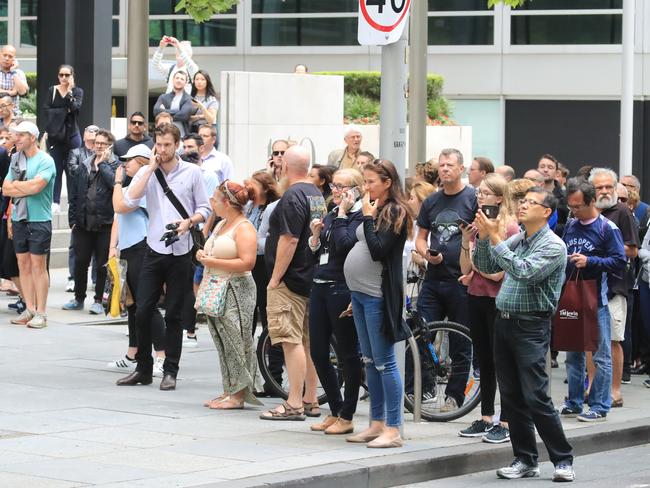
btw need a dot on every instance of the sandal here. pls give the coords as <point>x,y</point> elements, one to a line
<point>617,403</point>
<point>311,409</point>
<point>288,413</point>
<point>207,403</point>
<point>228,403</point>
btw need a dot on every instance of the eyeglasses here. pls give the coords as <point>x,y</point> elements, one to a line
<point>137,122</point>
<point>531,202</point>
<point>278,153</point>
<point>336,186</point>
<point>5,105</point>
<point>100,143</point>
<point>92,129</point>
<point>622,199</point>
<point>484,194</point>
<point>64,75</point>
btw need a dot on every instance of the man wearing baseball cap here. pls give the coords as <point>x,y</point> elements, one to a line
<point>30,183</point>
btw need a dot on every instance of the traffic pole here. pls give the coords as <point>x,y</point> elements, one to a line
<point>627,90</point>
<point>417,83</point>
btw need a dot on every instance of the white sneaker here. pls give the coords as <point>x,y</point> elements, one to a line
<point>38,321</point>
<point>70,286</point>
<point>191,341</point>
<point>96,309</point>
<point>125,364</point>
<point>158,371</point>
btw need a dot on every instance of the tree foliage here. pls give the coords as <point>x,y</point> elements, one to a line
<point>512,3</point>
<point>202,10</point>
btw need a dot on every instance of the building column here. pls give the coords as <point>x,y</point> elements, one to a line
<point>137,87</point>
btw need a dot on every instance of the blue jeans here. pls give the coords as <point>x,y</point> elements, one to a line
<point>600,395</point>
<point>384,381</point>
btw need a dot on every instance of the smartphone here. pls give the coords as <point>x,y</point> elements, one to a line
<point>356,192</point>
<point>433,252</point>
<point>490,211</point>
<point>460,222</point>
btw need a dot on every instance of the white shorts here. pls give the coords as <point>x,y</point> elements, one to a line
<point>618,313</point>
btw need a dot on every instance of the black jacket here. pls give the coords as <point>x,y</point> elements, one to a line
<point>387,247</point>
<point>105,184</point>
<point>71,104</point>
<point>182,115</point>
<point>76,157</point>
<point>342,238</point>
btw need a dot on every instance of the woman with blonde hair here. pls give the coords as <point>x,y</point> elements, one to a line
<point>482,290</point>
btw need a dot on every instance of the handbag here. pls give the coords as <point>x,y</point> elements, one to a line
<point>575,324</point>
<point>55,125</point>
<point>211,295</point>
<point>198,239</point>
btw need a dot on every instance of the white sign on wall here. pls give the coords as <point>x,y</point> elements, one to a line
<point>382,22</point>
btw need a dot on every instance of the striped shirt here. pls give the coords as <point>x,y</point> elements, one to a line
<point>7,83</point>
<point>534,270</point>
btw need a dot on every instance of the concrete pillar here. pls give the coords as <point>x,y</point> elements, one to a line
<point>417,103</point>
<point>137,43</point>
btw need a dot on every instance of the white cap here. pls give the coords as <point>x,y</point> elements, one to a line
<point>135,151</point>
<point>26,126</point>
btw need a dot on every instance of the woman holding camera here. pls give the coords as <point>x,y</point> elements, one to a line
<point>373,272</point>
<point>482,290</point>
<point>332,239</point>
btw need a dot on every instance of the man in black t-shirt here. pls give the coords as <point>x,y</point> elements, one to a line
<point>605,181</point>
<point>439,242</point>
<point>137,134</point>
<point>291,265</point>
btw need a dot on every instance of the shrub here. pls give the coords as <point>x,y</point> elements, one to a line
<point>31,80</point>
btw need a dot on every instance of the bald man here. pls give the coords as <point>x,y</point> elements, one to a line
<point>291,265</point>
<point>535,176</point>
<point>508,172</point>
<point>12,80</point>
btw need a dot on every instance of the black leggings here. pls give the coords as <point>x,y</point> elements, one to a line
<point>134,256</point>
<point>261,278</point>
<point>482,313</point>
<point>326,303</point>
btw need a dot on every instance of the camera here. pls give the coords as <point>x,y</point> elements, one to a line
<point>171,235</point>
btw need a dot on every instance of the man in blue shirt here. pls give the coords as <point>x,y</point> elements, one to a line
<point>595,248</point>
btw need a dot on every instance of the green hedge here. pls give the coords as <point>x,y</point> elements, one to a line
<point>368,83</point>
<point>31,80</point>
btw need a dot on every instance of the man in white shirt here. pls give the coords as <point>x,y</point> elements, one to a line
<point>212,159</point>
<point>183,62</point>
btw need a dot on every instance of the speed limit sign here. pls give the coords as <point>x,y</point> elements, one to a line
<point>382,22</point>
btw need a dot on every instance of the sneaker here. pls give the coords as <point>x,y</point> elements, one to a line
<point>125,364</point>
<point>73,305</point>
<point>38,321</point>
<point>190,341</point>
<point>518,469</point>
<point>429,398</point>
<point>19,306</point>
<point>449,406</point>
<point>591,416</point>
<point>96,309</point>
<point>567,412</point>
<point>158,367</point>
<point>564,472</point>
<point>646,383</point>
<point>476,374</point>
<point>497,435</point>
<point>478,429</point>
<point>554,364</point>
<point>69,288</point>
<point>626,378</point>
<point>23,318</point>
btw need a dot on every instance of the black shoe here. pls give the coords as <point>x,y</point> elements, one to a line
<point>626,378</point>
<point>168,383</point>
<point>135,378</point>
<point>554,363</point>
<point>643,369</point>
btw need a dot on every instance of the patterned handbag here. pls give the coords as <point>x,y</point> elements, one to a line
<point>211,295</point>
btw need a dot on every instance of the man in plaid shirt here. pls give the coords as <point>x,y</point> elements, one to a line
<point>534,262</point>
<point>12,80</point>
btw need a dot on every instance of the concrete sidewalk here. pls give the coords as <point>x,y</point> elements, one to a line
<point>64,423</point>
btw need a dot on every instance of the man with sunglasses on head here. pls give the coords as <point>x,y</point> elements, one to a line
<point>137,134</point>
<point>534,262</point>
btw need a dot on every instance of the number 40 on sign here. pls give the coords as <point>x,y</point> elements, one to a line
<point>382,22</point>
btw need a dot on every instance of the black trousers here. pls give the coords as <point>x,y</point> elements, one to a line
<point>86,245</point>
<point>326,302</point>
<point>176,273</point>
<point>134,257</point>
<point>261,278</point>
<point>520,348</point>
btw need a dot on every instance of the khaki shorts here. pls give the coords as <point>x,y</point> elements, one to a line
<point>618,312</point>
<point>288,316</point>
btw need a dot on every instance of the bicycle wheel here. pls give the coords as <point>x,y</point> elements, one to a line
<point>270,360</point>
<point>446,364</point>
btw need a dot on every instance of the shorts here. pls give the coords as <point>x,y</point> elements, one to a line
<point>198,274</point>
<point>618,312</point>
<point>32,237</point>
<point>288,316</point>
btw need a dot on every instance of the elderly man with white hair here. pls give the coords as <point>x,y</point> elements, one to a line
<point>347,157</point>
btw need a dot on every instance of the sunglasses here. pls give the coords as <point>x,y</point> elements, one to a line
<point>137,122</point>
<point>278,153</point>
<point>622,199</point>
<point>64,75</point>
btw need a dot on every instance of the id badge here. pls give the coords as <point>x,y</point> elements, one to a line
<point>324,258</point>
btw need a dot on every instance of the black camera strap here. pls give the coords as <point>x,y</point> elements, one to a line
<point>170,194</point>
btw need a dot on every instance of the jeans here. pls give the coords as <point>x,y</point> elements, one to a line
<point>627,343</point>
<point>440,299</point>
<point>600,394</point>
<point>60,152</point>
<point>176,273</point>
<point>644,307</point>
<point>520,348</point>
<point>88,244</point>
<point>384,381</point>
<point>326,302</point>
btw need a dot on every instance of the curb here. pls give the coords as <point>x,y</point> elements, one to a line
<point>432,464</point>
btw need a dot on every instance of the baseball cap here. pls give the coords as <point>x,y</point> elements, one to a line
<point>135,151</point>
<point>26,126</point>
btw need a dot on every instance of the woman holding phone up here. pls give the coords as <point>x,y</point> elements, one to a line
<point>332,239</point>
<point>482,290</point>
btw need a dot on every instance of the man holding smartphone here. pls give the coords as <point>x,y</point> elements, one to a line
<point>90,215</point>
<point>439,242</point>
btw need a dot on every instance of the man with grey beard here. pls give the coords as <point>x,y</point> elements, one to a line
<point>605,181</point>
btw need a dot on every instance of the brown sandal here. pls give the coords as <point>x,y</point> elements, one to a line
<point>228,403</point>
<point>311,409</point>
<point>288,413</point>
<point>207,403</point>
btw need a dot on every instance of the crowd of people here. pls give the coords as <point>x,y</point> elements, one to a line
<point>315,251</point>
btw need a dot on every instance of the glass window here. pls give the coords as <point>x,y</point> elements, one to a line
<point>116,7</point>
<point>3,32</point>
<point>566,29</point>
<point>116,33</point>
<point>28,7</point>
<point>304,6</point>
<point>3,8</point>
<point>305,32</point>
<point>457,5</point>
<point>222,32</point>
<point>28,33</point>
<point>167,7</point>
<point>571,4</point>
<point>461,31</point>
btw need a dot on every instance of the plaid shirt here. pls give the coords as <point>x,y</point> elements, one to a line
<point>7,83</point>
<point>534,270</point>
